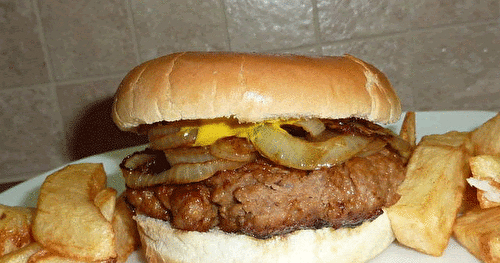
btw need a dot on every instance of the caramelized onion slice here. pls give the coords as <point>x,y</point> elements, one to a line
<point>374,146</point>
<point>156,132</point>
<point>402,146</point>
<point>174,140</point>
<point>180,173</point>
<point>137,160</point>
<point>312,126</point>
<point>284,149</point>
<point>234,149</point>
<point>188,155</point>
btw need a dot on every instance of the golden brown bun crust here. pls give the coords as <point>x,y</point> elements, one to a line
<point>162,244</point>
<point>252,88</point>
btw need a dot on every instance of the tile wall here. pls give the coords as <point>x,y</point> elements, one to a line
<point>61,61</point>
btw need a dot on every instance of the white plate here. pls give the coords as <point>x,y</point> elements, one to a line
<point>26,193</point>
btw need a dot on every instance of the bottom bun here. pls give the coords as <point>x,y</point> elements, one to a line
<point>162,243</point>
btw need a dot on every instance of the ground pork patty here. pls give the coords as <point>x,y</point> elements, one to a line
<point>262,199</point>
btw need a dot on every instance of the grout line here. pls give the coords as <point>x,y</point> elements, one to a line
<point>120,75</point>
<point>297,48</point>
<point>388,35</point>
<point>411,31</point>
<point>224,12</point>
<point>43,42</point>
<point>131,25</point>
<point>50,68</point>
<point>317,29</point>
<point>35,86</point>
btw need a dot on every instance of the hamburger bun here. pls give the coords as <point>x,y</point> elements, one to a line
<point>162,244</point>
<point>253,88</point>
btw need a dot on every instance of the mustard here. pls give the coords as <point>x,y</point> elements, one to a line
<point>210,132</point>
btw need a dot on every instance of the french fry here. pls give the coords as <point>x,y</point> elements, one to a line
<point>432,192</point>
<point>479,231</point>
<point>67,220</point>
<point>486,137</point>
<point>15,227</point>
<point>486,178</point>
<point>21,255</point>
<point>105,200</point>
<point>408,130</point>
<point>127,236</point>
<point>47,256</point>
<point>469,200</point>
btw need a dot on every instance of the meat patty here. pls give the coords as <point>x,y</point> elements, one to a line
<point>263,199</point>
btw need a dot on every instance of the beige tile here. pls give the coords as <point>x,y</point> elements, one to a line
<point>30,132</point>
<point>457,68</point>
<point>21,53</point>
<point>389,54</point>
<point>260,25</point>
<point>164,27</point>
<point>348,19</point>
<point>87,38</point>
<point>340,20</point>
<point>427,13</point>
<point>86,114</point>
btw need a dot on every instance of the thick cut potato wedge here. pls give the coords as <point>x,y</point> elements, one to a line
<point>67,220</point>
<point>486,178</point>
<point>479,231</point>
<point>34,253</point>
<point>408,130</point>
<point>15,227</point>
<point>47,256</point>
<point>21,255</point>
<point>486,137</point>
<point>127,236</point>
<point>432,192</point>
<point>105,200</point>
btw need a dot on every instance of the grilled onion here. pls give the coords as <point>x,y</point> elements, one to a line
<point>234,149</point>
<point>373,147</point>
<point>188,155</point>
<point>282,148</point>
<point>173,140</point>
<point>312,126</point>
<point>156,132</point>
<point>402,146</point>
<point>180,173</point>
<point>138,160</point>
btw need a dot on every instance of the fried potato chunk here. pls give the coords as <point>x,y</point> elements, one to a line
<point>486,178</point>
<point>408,130</point>
<point>47,256</point>
<point>21,255</point>
<point>432,192</point>
<point>105,200</point>
<point>15,227</point>
<point>486,137</point>
<point>127,236</point>
<point>67,220</point>
<point>479,231</point>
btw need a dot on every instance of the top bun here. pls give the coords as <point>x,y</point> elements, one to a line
<point>253,88</point>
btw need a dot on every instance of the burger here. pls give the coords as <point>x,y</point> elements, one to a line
<point>261,158</point>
